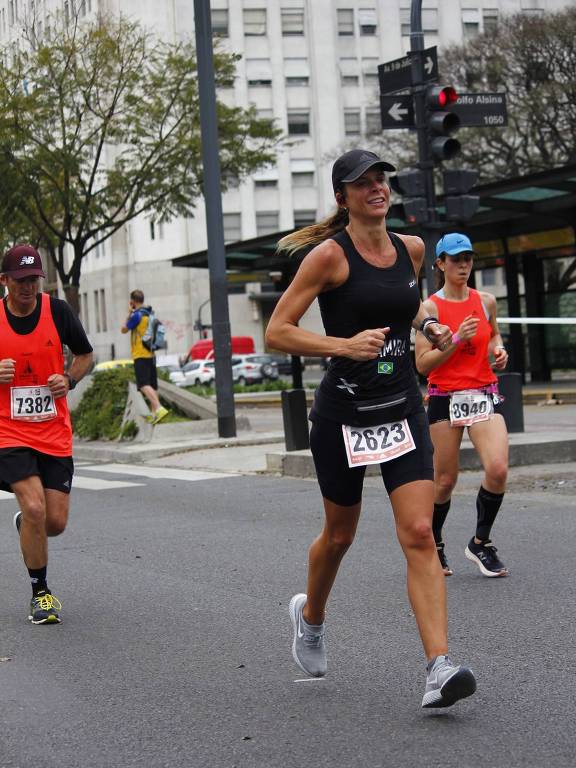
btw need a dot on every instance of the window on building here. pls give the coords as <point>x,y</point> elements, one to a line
<point>304,218</point>
<point>470,23</point>
<point>232,227</point>
<point>219,17</point>
<point>489,19</point>
<point>373,121</point>
<point>349,80</point>
<point>267,222</point>
<point>11,13</point>
<point>265,114</point>
<point>532,6</point>
<point>152,230</point>
<point>352,123</point>
<point>97,312</point>
<point>266,183</point>
<point>254,21</point>
<point>367,21</point>
<point>429,21</point>
<point>298,122</point>
<point>292,20</point>
<point>302,178</point>
<point>345,21</point>
<point>85,312</point>
<point>299,80</point>
<point>103,320</point>
<point>260,82</point>
<point>370,71</point>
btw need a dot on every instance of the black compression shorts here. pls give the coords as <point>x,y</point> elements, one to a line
<point>343,485</point>
<point>55,472</point>
<point>145,372</point>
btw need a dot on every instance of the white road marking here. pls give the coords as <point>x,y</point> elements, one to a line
<point>157,473</point>
<point>308,679</point>
<point>99,484</point>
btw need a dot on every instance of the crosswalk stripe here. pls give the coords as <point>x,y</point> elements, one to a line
<point>99,484</point>
<point>157,473</point>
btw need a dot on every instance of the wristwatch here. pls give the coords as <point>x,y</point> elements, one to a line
<point>71,382</point>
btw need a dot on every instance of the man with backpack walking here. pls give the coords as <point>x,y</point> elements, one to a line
<point>144,330</point>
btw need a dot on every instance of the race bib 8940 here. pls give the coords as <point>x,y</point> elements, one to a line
<point>469,407</point>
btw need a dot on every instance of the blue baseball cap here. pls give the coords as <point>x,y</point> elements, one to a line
<point>453,244</point>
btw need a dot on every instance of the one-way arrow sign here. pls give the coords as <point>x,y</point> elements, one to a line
<point>396,111</point>
<point>396,75</point>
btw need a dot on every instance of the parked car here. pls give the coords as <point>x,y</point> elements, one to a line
<point>198,372</point>
<point>284,363</point>
<point>253,369</point>
<point>175,373</point>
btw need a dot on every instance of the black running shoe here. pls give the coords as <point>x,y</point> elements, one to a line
<point>44,608</point>
<point>443,561</point>
<point>485,557</point>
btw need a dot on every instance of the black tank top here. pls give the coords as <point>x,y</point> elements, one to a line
<point>371,297</point>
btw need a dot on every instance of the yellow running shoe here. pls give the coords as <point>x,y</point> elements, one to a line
<point>160,414</point>
<point>44,608</point>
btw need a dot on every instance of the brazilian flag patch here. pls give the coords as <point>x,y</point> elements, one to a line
<point>385,367</point>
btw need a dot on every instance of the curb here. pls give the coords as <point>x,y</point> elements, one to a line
<point>543,450</point>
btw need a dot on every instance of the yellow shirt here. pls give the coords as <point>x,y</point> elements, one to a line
<point>137,349</point>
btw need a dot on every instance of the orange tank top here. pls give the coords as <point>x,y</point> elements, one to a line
<point>29,417</point>
<point>468,367</point>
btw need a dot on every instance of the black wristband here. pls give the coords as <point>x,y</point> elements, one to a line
<point>71,382</point>
<point>427,321</point>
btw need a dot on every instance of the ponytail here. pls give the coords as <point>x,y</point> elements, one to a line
<point>309,236</point>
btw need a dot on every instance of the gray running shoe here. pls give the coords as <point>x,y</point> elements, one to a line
<point>308,647</point>
<point>446,683</point>
<point>17,520</point>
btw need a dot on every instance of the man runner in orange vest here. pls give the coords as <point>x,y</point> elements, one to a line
<point>35,430</point>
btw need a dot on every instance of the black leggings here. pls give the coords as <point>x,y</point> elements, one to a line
<point>343,485</point>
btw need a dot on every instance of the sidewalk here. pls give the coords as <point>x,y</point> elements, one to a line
<point>549,437</point>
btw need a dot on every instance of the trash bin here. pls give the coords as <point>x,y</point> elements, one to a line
<point>295,417</point>
<point>510,386</point>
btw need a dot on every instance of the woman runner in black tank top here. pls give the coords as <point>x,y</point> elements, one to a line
<point>368,408</point>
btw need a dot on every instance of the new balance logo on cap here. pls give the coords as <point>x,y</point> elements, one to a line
<point>25,260</point>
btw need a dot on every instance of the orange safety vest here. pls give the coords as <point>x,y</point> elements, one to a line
<point>468,367</point>
<point>24,422</point>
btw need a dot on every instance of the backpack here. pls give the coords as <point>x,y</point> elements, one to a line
<point>155,334</point>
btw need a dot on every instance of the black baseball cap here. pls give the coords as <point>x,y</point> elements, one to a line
<point>351,165</point>
<point>22,260</point>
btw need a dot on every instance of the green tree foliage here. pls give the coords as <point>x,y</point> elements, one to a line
<point>101,123</point>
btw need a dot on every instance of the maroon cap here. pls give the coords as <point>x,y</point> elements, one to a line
<point>22,261</point>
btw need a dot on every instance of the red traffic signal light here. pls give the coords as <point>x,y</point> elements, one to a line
<point>441,97</point>
<point>441,122</point>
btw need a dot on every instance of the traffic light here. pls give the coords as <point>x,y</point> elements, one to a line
<point>441,123</point>
<point>459,205</point>
<point>411,185</point>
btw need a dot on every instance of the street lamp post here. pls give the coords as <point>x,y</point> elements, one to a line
<point>214,225</point>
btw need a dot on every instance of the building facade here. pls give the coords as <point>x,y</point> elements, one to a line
<point>309,65</point>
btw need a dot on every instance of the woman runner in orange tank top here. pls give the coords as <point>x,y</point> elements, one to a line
<point>463,393</point>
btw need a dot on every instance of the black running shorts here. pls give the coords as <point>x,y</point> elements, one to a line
<point>55,472</point>
<point>439,408</point>
<point>145,372</point>
<point>343,485</point>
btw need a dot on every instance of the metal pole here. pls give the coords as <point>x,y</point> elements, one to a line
<point>425,161</point>
<point>214,226</point>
